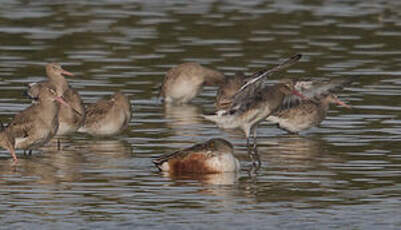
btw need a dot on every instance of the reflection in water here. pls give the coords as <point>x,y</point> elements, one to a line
<point>49,166</point>
<point>184,119</point>
<point>226,178</point>
<point>346,169</point>
<point>116,148</point>
<point>52,166</point>
<point>296,154</point>
<point>101,152</point>
<point>292,147</point>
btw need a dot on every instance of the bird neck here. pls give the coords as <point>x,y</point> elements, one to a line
<point>213,77</point>
<point>59,82</point>
<point>49,105</point>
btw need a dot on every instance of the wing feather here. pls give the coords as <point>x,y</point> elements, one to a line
<point>96,111</point>
<point>252,88</point>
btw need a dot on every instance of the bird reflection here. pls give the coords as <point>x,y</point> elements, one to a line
<point>226,178</point>
<point>49,166</point>
<point>100,151</point>
<point>295,154</point>
<point>294,147</point>
<point>184,119</point>
<point>71,162</point>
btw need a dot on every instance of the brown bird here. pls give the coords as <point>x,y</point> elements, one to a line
<point>70,118</point>
<point>107,117</point>
<point>34,126</point>
<point>247,113</point>
<point>184,82</point>
<point>212,156</point>
<point>228,89</point>
<point>8,142</point>
<point>252,103</point>
<point>295,115</point>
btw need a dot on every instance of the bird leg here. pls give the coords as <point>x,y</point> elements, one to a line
<point>256,159</point>
<point>254,139</point>
<point>58,144</point>
<point>12,152</point>
<point>248,143</point>
<point>252,152</point>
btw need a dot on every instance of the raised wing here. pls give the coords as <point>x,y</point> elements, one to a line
<point>313,90</point>
<point>259,75</point>
<point>317,88</point>
<point>251,88</point>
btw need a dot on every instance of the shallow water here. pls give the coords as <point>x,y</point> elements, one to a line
<point>343,174</point>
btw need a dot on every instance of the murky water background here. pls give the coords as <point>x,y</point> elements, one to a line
<point>344,174</point>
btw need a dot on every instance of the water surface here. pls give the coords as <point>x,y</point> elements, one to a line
<point>343,174</point>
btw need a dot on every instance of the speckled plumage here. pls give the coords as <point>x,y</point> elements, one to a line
<point>228,89</point>
<point>107,117</point>
<point>37,124</point>
<point>8,142</point>
<point>70,118</point>
<point>252,102</point>
<point>296,115</point>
